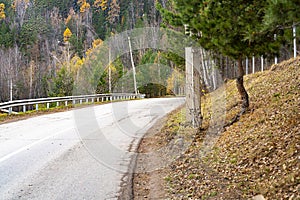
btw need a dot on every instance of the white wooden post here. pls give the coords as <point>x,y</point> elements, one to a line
<point>262,63</point>
<point>193,104</point>
<point>295,43</point>
<point>253,64</point>
<point>247,65</point>
<point>276,59</point>
<point>11,90</point>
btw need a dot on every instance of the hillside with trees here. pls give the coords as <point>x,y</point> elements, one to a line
<point>44,44</point>
<point>259,155</point>
<point>236,29</point>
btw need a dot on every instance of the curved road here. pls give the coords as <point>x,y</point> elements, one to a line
<point>79,154</point>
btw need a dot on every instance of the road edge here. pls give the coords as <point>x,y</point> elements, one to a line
<point>127,191</point>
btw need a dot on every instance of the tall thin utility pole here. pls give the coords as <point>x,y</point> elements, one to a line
<point>10,82</point>
<point>109,70</point>
<point>11,89</point>
<point>133,67</point>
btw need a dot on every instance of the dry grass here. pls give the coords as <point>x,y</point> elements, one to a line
<point>260,154</point>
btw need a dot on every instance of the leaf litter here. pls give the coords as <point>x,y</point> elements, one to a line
<point>258,155</point>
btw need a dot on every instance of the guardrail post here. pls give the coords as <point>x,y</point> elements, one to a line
<point>48,105</point>
<point>57,104</point>
<point>36,107</point>
<point>86,100</point>
<point>9,110</point>
<point>73,102</point>
<point>97,99</point>
<point>66,103</point>
<point>80,101</point>
<point>24,108</point>
<point>93,100</point>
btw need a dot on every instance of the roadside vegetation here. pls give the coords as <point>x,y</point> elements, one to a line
<point>259,154</point>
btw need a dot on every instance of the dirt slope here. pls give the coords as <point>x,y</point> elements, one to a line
<point>259,154</point>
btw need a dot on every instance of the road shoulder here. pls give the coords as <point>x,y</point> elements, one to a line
<point>150,184</point>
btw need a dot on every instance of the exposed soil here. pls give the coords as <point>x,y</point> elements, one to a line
<point>148,182</point>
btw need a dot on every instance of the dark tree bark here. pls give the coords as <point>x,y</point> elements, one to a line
<point>240,86</point>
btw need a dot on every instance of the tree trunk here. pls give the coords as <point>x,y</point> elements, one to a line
<point>240,86</point>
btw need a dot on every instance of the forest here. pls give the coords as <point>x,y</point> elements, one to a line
<point>44,45</point>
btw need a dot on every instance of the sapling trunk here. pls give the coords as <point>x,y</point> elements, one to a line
<point>240,86</point>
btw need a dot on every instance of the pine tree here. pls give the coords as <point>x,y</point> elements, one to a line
<point>281,14</point>
<point>230,28</point>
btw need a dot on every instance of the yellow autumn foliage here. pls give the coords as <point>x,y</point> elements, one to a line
<point>2,12</point>
<point>97,42</point>
<point>101,4</point>
<point>84,6</point>
<point>68,19</point>
<point>67,34</point>
<point>112,68</point>
<point>76,63</point>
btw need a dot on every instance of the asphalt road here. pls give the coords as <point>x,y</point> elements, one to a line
<point>79,154</point>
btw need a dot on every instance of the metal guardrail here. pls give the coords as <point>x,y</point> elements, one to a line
<point>8,107</point>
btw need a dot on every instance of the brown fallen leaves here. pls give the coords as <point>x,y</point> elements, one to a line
<point>259,154</point>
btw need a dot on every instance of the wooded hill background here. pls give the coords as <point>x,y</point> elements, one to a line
<point>44,43</point>
<point>34,57</point>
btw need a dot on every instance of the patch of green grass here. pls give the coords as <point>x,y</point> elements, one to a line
<point>168,178</point>
<point>192,176</point>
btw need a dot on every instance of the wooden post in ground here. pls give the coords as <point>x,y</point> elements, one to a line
<point>193,102</point>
